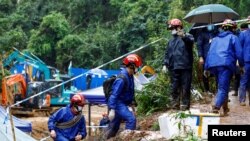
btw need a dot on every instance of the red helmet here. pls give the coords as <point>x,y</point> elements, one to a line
<point>132,59</point>
<point>174,23</point>
<point>228,23</point>
<point>77,99</point>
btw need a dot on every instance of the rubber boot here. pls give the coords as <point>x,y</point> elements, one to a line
<point>215,109</point>
<point>225,108</point>
<point>184,107</point>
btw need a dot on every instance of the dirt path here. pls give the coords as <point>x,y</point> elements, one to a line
<point>238,114</point>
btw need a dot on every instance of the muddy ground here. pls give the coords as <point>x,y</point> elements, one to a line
<point>237,115</point>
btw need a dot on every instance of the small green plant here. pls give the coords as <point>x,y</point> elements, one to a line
<point>185,131</point>
<point>155,126</point>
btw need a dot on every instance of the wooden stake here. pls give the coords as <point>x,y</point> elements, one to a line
<point>12,125</point>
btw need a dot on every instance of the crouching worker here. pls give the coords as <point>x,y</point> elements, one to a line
<point>122,96</point>
<point>104,122</point>
<point>68,123</point>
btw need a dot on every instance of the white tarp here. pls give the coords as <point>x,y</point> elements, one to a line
<point>140,80</point>
<point>6,134</point>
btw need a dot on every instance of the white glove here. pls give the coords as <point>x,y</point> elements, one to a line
<point>78,137</point>
<point>206,73</point>
<point>130,109</point>
<point>53,134</point>
<point>181,33</point>
<point>164,69</point>
<point>111,114</point>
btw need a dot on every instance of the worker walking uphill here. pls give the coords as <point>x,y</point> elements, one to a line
<point>122,96</point>
<point>245,79</point>
<point>224,51</point>
<point>237,74</point>
<point>68,123</point>
<point>179,61</point>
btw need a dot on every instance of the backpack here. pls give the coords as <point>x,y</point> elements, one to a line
<point>107,85</point>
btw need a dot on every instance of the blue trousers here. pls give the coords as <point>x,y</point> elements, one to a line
<point>245,79</point>
<point>60,137</point>
<point>121,113</point>
<point>223,76</point>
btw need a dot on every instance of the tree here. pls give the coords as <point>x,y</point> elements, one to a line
<point>43,41</point>
<point>66,51</point>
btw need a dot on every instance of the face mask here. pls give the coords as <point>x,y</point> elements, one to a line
<point>210,27</point>
<point>79,108</point>
<point>220,30</point>
<point>173,32</point>
<point>136,70</point>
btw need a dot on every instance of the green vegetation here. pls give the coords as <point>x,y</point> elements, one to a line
<point>104,29</point>
<point>154,96</point>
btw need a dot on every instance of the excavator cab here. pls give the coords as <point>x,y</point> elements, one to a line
<point>34,88</point>
<point>56,92</point>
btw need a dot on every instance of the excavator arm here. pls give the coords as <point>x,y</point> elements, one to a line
<point>30,60</point>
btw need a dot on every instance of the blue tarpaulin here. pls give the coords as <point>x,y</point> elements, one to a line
<point>94,96</point>
<point>96,81</point>
<point>81,82</point>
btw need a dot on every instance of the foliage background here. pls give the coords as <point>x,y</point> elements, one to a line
<point>92,32</point>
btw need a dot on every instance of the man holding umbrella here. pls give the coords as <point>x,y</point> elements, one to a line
<point>203,44</point>
<point>224,51</point>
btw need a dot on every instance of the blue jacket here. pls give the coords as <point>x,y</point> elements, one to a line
<point>122,92</point>
<point>245,42</point>
<point>203,43</point>
<point>224,50</point>
<point>63,115</point>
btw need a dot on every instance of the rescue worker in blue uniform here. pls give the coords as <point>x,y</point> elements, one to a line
<point>203,43</point>
<point>179,61</point>
<point>68,123</point>
<point>122,97</point>
<point>245,79</point>
<point>224,51</point>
